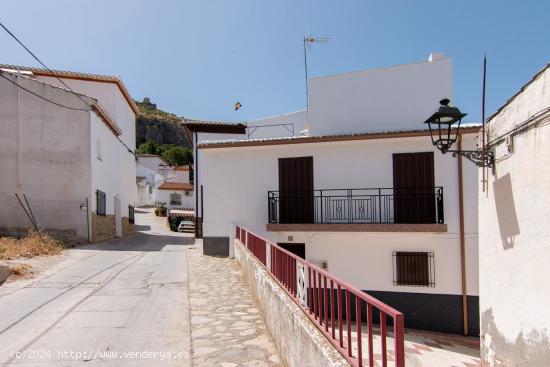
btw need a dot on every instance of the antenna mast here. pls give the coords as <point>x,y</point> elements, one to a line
<point>308,41</point>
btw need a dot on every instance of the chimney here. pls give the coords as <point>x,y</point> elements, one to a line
<point>435,56</point>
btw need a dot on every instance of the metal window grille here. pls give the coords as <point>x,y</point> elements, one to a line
<point>101,202</point>
<point>414,269</point>
<point>175,199</point>
<point>131,214</point>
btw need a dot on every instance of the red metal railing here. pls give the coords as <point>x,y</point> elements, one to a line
<point>335,306</point>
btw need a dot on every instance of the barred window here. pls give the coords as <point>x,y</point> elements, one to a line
<point>414,269</point>
<point>175,199</point>
<point>100,197</point>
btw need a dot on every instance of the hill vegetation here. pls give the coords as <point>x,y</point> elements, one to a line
<point>160,132</point>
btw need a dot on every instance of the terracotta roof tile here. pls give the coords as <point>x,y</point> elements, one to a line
<point>176,186</point>
<point>182,168</point>
<point>80,76</point>
<point>324,138</point>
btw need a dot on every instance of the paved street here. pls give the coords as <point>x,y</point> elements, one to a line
<point>127,302</point>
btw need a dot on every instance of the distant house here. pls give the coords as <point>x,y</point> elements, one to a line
<point>151,171</point>
<point>71,154</point>
<point>177,191</point>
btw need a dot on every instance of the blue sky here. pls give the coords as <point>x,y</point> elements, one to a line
<point>197,58</point>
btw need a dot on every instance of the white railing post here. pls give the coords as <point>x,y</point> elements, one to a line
<point>268,256</point>
<point>301,283</point>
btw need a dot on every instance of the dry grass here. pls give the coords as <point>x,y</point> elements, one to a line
<point>21,271</point>
<point>32,245</point>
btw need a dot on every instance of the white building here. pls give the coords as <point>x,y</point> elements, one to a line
<point>514,233</point>
<point>177,191</point>
<point>74,162</point>
<point>365,194</point>
<point>152,171</point>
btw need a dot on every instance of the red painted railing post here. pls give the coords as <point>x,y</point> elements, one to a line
<point>399,331</point>
<point>283,265</point>
<point>383,332</point>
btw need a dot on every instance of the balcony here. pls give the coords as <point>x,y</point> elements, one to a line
<point>414,209</point>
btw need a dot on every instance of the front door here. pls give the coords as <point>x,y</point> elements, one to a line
<point>296,190</point>
<point>298,249</point>
<point>413,182</point>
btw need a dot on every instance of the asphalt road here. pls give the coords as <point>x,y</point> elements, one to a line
<point>125,303</point>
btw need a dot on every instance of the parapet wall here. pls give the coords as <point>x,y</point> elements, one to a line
<point>298,340</point>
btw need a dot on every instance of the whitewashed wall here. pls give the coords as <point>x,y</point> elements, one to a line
<point>187,202</point>
<point>114,172</point>
<point>44,154</point>
<point>298,119</point>
<point>515,237</point>
<point>248,173</point>
<point>384,99</point>
<point>110,98</point>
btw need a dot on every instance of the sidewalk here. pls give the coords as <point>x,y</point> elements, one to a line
<point>226,327</point>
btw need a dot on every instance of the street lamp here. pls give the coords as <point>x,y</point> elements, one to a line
<point>444,126</point>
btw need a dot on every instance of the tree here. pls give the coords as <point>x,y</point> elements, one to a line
<point>149,147</point>
<point>177,156</point>
<point>174,155</point>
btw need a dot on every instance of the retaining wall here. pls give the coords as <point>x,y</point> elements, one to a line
<point>298,340</point>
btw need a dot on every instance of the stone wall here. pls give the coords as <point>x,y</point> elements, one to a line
<point>127,227</point>
<point>298,340</point>
<point>103,227</point>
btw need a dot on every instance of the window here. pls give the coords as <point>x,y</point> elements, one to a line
<point>189,193</point>
<point>98,148</point>
<point>414,269</point>
<point>100,197</point>
<point>175,199</point>
<point>131,213</point>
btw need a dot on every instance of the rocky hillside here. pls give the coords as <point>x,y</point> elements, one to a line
<point>158,126</point>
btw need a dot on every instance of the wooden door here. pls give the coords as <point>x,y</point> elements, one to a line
<point>298,249</point>
<point>413,182</point>
<point>296,190</point>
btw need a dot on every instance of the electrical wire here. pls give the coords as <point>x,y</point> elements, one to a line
<point>42,97</point>
<point>41,63</point>
<point>61,81</point>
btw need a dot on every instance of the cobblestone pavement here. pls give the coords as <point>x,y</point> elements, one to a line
<point>226,327</point>
<point>423,349</point>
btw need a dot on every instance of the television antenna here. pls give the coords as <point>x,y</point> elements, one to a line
<point>309,40</point>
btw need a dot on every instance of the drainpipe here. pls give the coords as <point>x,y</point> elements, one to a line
<point>462,239</point>
<point>196,184</point>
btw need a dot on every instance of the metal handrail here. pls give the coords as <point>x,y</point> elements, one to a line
<point>358,205</point>
<point>283,265</point>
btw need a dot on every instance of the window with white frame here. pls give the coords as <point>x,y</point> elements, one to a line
<point>175,198</point>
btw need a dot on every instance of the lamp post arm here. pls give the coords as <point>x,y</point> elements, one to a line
<point>480,157</point>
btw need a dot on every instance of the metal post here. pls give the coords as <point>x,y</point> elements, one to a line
<point>321,191</point>
<point>88,218</point>
<point>380,205</point>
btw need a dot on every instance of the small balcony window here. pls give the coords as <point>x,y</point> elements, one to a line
<point>414,269</point>
<point>101,202</point>
<point>175,199</point>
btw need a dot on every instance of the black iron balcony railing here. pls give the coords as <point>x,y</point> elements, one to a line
<point>374,205</point>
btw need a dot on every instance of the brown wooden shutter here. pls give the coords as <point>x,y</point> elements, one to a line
<point>413,181</point>
<point>296,190</point>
